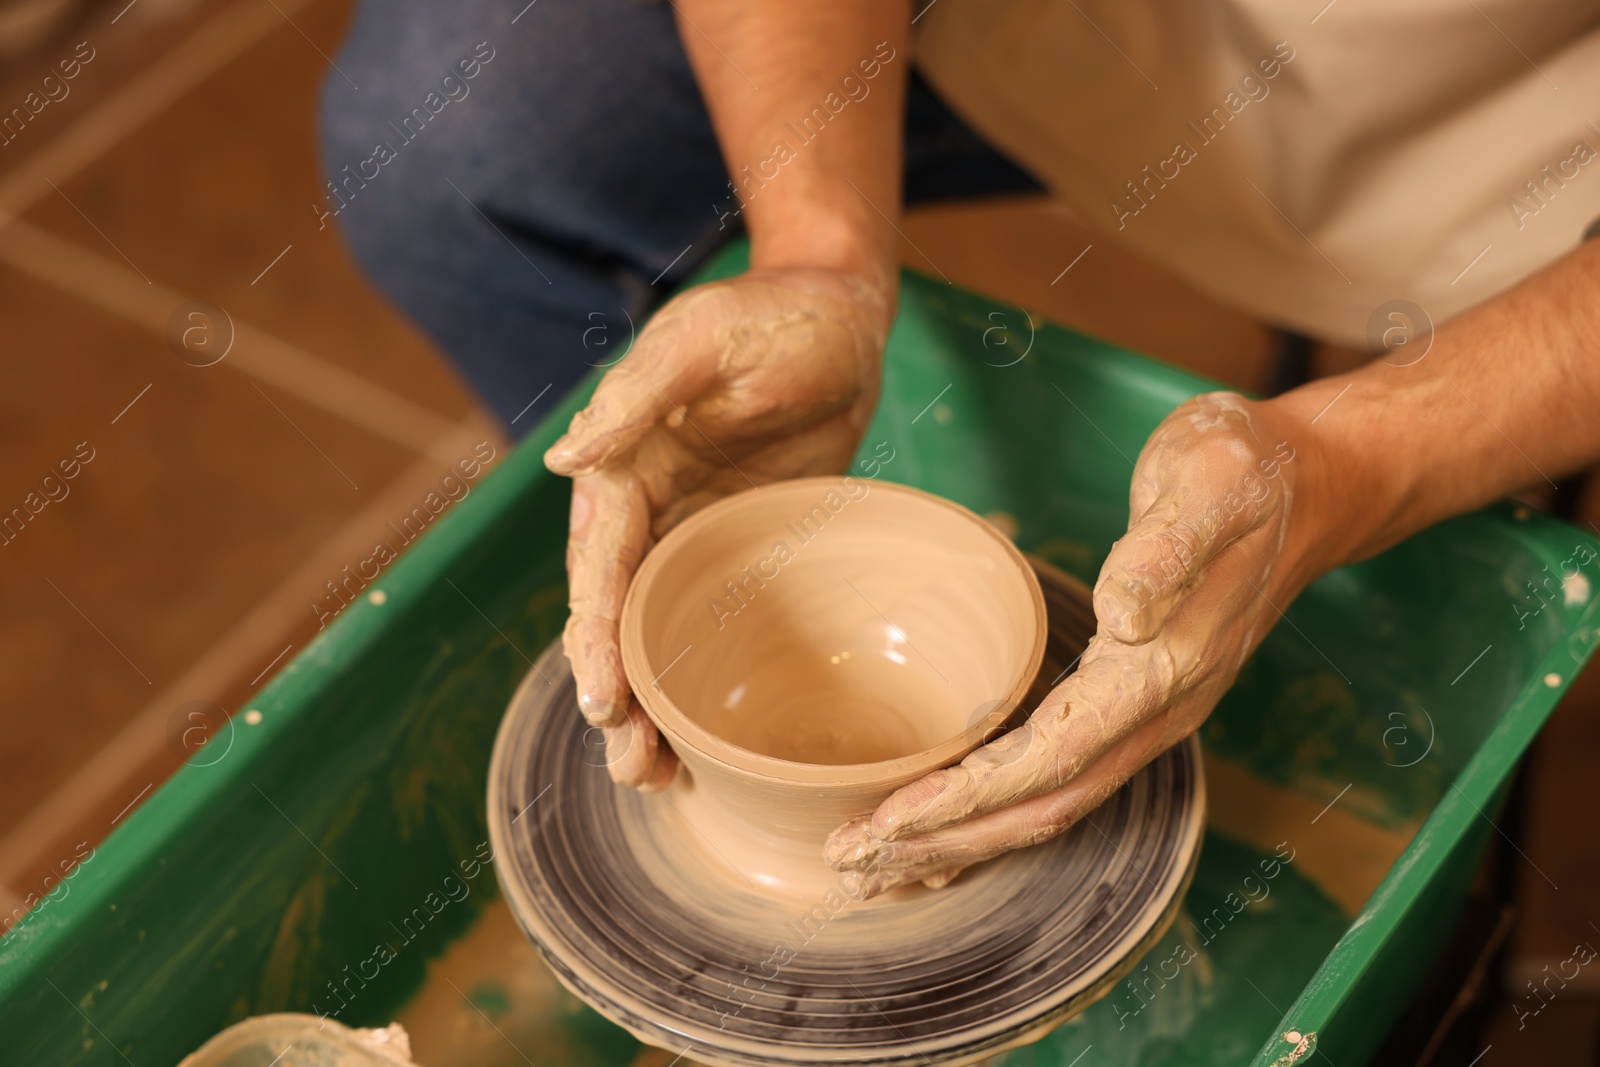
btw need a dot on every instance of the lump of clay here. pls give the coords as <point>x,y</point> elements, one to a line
<point>288,1039</point>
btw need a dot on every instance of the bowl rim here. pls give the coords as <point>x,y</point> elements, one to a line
<point>701,744</point>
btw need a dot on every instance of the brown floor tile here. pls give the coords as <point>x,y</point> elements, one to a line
<point>214,487</point>
<point>197,501</point>
<point>227,678</point>
<point>119,52</point>
<point>203,198</point>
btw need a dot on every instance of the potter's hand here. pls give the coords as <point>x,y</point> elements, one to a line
<point>735,384</point>
<point>1184,597</point>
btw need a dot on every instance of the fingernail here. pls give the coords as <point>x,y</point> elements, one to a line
<point>558,457</point>
<point>1116,604</point>
<point>600,712</point>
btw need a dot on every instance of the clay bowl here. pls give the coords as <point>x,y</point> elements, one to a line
<point>809,647</point>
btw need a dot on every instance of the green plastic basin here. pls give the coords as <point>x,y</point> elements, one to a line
<point>257,883</point>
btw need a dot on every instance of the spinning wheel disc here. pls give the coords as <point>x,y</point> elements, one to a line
<point>670,942</point>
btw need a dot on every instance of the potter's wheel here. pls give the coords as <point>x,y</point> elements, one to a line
<point>671,943</point>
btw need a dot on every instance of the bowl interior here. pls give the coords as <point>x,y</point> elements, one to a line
<point>836,621</point>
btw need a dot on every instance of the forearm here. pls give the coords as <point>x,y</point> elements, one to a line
<point>1507,397</point>
<point>808,103</point>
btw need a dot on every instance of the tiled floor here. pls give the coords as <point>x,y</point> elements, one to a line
<point>180,564</point>
<point>219,499</point>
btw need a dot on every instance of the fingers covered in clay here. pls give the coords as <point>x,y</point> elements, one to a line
<point>936,857</point>
<point>1115,690</point>
<point>1203,481</point>
<point>662,374</point>
<point>767,376</point>
<point>739,362</point>
<point>862,886</point>
<point>1182,600</point>
<point>610,527</point>
<point>636,755</point>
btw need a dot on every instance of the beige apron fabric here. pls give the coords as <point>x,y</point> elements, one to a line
<point>1393,142</point>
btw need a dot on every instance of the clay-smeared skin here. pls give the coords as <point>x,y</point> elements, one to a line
<point>767,376</point>
<point>1160,660</point>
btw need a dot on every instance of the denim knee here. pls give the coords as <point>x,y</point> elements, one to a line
<point>504,183</point>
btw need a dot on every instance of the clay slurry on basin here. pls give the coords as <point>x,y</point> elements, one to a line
<point>834,622</point>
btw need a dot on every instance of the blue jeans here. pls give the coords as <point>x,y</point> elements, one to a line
<point>521,185</point>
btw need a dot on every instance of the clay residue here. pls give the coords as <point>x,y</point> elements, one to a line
<point>493,971</point>
<point>1345,856</point>
<point>1303,1045</point>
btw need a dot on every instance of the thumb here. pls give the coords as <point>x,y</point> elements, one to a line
<point>636,755</point>
<point>672,364</point>
<point>1158,560</point>
<point>609,533</point>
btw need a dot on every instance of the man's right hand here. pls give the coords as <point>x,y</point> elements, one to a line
<point>732,385</point>
<point>767,376</point>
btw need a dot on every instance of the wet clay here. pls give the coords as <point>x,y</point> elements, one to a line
<point>1345,855</point>
<point>809,647</point>
<point>684,942</point>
